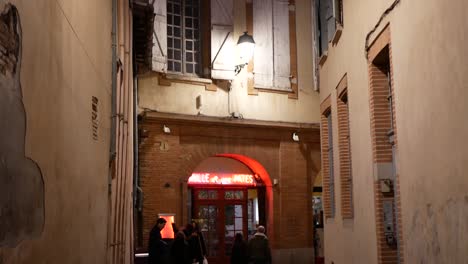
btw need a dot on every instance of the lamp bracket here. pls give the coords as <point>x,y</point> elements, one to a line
<point>239,67</point>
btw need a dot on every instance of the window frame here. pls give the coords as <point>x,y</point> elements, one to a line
<point>196,62</point>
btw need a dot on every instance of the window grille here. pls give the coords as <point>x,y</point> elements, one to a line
<point>183,37</point>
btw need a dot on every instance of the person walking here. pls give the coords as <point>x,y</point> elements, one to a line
<point>180,250</point>
<point>158,249</point>
<point>239,250</point>
<point>196,242</point>
<point>258,248</point>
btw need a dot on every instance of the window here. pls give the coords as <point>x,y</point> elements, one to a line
<point>384,144</point>
<point>329,21</point>
<point>183,37</point>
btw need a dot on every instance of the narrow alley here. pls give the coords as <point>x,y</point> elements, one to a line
<point>233,131</point>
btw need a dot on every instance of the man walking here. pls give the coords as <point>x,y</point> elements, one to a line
<point>258,248</point>
<point>158,249</point>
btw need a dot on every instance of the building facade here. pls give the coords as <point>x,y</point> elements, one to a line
<point>219,135</point>
<point>393,124</point>
<point>66,145</point>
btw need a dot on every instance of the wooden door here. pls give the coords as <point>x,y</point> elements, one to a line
<point>221,213</point>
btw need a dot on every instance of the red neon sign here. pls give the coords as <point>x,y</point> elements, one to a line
<point>222,179</point>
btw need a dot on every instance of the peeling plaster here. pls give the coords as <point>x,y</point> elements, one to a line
<point>437,230</point>
<point>21,182</point>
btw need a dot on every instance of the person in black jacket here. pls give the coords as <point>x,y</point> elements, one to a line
<point>196,242</point>
<point>258,248</point>
<point>180,250</point>
<point>158,249</point>
<point>239,250</point>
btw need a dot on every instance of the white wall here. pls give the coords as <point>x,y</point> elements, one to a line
<point>428,53</point>
<point>181,98</point>
<point>66,60</point>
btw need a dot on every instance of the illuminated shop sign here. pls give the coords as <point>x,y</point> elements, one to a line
<point>222,179</point>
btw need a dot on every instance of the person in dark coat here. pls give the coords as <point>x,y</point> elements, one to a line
<point>180,250</point>
<point>258,248</point>
<point>196,242</point>
<point>158,249</point>
<point>239,250</point>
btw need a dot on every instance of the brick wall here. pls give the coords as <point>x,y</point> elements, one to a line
<point>380,64</point>
<point>345,156</point>
<point>324,131</point>
<point>171,158</point>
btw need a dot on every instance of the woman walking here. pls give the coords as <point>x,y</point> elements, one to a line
<point>239,250</point>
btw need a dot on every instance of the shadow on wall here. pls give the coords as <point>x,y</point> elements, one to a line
<point>21,183</point>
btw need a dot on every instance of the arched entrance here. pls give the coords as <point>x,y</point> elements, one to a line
<point>230,194</point>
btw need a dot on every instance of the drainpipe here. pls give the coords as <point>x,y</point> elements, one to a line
<point>114,91</point>
<point>112,152</point>
<point>137,191</point>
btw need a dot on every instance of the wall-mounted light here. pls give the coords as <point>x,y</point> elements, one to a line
<point>166,129</point>
<point>295,137</point>
<point>246,46</point>
<point>275,182</point>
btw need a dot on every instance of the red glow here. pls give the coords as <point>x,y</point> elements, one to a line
<point>167,231</point>
<point>254,165</point>
<point>222,179</point>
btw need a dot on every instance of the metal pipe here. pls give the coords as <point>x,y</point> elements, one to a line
<point>136,180</point>
<point>114,88</point>
<point>110,221</point>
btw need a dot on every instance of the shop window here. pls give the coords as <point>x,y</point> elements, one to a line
<point>208,194</point>
<point>231,195</point>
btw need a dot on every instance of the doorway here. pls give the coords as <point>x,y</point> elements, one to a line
<point>221,213</point>
<point>228,195</point>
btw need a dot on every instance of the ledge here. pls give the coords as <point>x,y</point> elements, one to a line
<point>337,35</point>
<point>323,58</point>
<point>177,77</point>
<point>168,79</point>
<point>152,115</point>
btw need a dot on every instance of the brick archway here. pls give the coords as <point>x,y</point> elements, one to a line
<point>258,169</point>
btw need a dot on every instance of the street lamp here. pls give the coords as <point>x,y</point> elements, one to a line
<point>246,45</point>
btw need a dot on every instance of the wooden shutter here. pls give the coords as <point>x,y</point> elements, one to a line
<point>331,23</point>
<point>222,40</point>
<point>263,36</point>
<point>337,11</point>
<point>159,61</point>
<point>272,51</point>
<point>281,51</point>
<point>323,9</point>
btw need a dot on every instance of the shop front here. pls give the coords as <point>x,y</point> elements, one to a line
<point>227,198</point>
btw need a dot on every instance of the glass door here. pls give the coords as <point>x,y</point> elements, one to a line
<point>221,213</point>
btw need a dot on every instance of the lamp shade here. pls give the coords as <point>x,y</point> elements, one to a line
<point>246,45</point>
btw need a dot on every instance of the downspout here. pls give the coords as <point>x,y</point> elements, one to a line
<point>114,91</point>
<point>137,191</point>
<point>112,151</point>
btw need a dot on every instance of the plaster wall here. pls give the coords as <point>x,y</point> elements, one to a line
<point>181,98</point>
<point>428,50</point>
<point>66,48</point>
